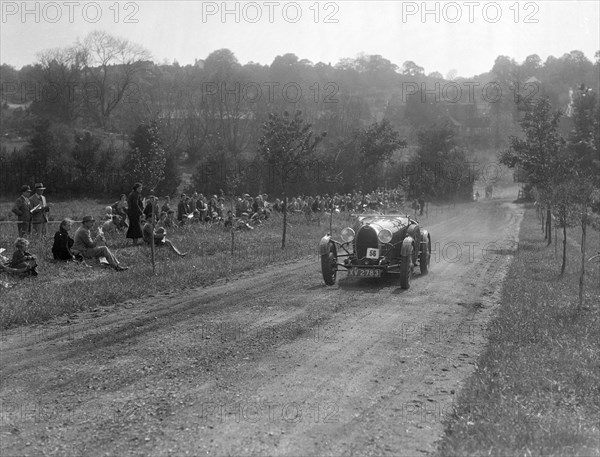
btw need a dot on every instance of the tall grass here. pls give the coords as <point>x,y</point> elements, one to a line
<point>536,390</point>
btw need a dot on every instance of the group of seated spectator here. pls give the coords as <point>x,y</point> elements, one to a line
<point>351,202</point>
<point>83,246</point>
<point>158,219</point>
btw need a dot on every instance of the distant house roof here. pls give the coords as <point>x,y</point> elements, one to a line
<point>533,80</point>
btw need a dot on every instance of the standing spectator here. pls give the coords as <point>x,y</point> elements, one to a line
<point>193,202</point>
<point>221,207</point>
<point>415,206</point>
<point>182,210</point>
<point>22,208</point>
<point>421,204</point>
<point>61,249</point>
<point>39,214</point>
<point>201,208</point>
<point>135,210</point>
<point>88,247</point>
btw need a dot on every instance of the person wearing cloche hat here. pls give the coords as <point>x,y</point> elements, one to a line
<point>22,208</point>
<point>39,211</point>
<point>86,246</point>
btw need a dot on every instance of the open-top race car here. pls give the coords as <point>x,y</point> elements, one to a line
<point>375,245</point>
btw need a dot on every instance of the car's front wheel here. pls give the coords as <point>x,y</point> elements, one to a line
<point>329,265</point>
<point>406,268</point>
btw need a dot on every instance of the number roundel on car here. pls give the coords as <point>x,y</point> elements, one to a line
<point>372,253</point>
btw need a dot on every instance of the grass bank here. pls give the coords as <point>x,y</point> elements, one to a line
<point>536,388</point>
<point>70,287</point>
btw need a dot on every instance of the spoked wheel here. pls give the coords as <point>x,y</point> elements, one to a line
<point>329,265</point>
<point>425,258</point>
<point>406,269</point>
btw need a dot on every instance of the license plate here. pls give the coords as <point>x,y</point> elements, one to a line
<point>372,253</point>
<point>365,272</point>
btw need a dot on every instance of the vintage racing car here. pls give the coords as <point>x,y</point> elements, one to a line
<point>375,245</point>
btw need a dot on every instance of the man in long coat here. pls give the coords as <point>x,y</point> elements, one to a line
<point>39,215</point>
<point>22,208</point>
<point>135,209</point>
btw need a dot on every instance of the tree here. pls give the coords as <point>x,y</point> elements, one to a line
<point>286,145</point>
<point>61,70</point>
<point>109,66</point>
<point>85,155</point>
<point>375,146</point>
<point>584,142</point>
<point>172,176</point>
<point>541,153</point>
<point>409,68</point>
<point>440,169</point>
<point>147,157</point>
<point>435,75</point>
<point>48,151</point>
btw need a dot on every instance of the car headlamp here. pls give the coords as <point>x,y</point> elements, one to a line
<point>347,234</point>
<point>385,236</point>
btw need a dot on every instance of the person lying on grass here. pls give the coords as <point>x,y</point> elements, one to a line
<point>22,261</point>
<point>88,247</point>
<point>159,234</point>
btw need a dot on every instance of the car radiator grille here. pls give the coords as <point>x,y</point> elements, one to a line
<point>365,238</point>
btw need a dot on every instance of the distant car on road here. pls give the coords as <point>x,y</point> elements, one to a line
<point>377,245</point>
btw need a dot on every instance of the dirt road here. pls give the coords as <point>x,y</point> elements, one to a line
<point>272,363</point>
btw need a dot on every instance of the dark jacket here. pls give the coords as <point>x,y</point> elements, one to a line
<point>61,249</point>
<point>182,210</point>
<point>22,208</point>
<point>148,211</point>
<point>134,211</point>
<point>22,260</point>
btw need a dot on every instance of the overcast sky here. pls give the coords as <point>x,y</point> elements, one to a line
<point>465,36</point>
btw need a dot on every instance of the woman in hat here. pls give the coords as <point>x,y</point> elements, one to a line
<point>135,209</point>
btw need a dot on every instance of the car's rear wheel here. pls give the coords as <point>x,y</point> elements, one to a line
<point>406,267</point>
<point>425,257</point>
<point>329,265</point>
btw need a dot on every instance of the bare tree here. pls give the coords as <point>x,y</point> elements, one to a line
<point>109,68</point>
